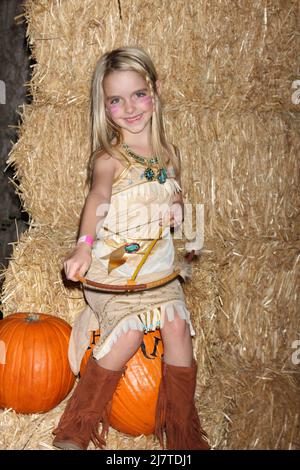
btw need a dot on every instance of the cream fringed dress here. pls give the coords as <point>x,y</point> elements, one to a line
<point>132,219</point>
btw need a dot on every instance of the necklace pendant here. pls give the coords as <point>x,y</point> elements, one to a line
<point>162,176</point>
<point>149,174</point>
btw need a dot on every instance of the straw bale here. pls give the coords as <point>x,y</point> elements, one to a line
<point>50,160</point>
<point>262,405</point>
<point>238,55</point>
<point>259,291</point>
<point>228,69</point>
<point>40,288</point>
<point>244,169</point>
<point>243,406</point>
<point>34,432</point>
<point>34,278</point>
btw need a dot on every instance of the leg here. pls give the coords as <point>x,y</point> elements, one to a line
<point>176,413</point>
<point>125,347</point>
<point>90,403</point>
<point>176,336</point>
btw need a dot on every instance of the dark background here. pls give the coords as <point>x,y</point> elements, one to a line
<point>14,72</point>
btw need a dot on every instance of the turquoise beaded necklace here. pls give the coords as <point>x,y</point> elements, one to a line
<point>161,174</point>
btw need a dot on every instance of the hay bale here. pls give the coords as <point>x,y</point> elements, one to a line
<point>244,169</point>
<point>259,296</point>
<point>50,158</point>
<point>235,56</point>
<point>34,432</point>
<point>34,279</point>
<point>262,409</point>
<point>232,173</point>
<point>234,160</point>
<point>239,140</point>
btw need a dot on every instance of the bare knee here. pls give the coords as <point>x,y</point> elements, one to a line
<point>178,327</point>
<point>124,348</point>
<point>133,338</point>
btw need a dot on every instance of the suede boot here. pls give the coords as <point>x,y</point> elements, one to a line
<point>176,413</point>
<point>89,405</point>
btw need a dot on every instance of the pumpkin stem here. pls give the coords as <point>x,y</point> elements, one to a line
<point>31,317</point>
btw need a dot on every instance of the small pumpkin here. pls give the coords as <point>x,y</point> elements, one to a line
<point>134,401</point>
<point>35,375</point>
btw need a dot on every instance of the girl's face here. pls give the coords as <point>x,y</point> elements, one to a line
<point>128,101</point>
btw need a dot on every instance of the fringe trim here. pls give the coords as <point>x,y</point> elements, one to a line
<point>178,306</point>
<point>160,414</point>
<point>128,323</point>
<point>146,321</point>
<point>88,407</point>
<point>99,440</point>
<point>82,422</point>
<point>189,437</point>
<point>150,319</point>
<point>178,435</point>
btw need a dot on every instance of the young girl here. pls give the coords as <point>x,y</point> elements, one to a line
<point>133,200</point>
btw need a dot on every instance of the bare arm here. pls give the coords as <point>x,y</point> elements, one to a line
<point>93,214</point>
<point>98,199</point>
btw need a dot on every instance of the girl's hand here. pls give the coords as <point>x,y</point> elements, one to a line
<point>189,256</point>
<point>78,261</point>
<point>174,217</point>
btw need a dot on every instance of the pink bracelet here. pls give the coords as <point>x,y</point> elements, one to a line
<point>87,239</point>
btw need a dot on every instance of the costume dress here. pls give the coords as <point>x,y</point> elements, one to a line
<point>132,221</point>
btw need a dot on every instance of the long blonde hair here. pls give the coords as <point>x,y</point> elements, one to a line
<point>104,130</point>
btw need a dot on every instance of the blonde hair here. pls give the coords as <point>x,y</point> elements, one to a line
<point>104,130</point>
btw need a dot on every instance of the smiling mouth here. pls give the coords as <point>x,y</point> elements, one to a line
<point>134,119</point>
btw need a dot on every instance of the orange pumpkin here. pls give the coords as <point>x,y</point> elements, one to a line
<point>34,370</point>
<point>134,401</point>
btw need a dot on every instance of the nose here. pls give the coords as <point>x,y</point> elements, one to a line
<point>129,107</point>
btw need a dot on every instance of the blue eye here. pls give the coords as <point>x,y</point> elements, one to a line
<point>140,93</point>
<point>114,101</point>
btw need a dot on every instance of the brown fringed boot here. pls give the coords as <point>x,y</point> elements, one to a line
<point>89,405</point>
<point>176,413</point>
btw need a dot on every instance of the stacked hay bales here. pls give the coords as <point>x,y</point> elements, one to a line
<point>228,71</point>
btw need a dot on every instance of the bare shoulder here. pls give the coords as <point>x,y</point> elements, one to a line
<point>104,163</point>
<point>111,161</point>
<point>103,172</point>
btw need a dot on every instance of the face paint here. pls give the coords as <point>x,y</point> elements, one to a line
<point>114,108</point>
<point>145,99</point>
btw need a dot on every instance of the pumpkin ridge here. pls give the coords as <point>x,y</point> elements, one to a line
<point>21,367</point>
<point>55,332</point>
<point>46,328</point>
